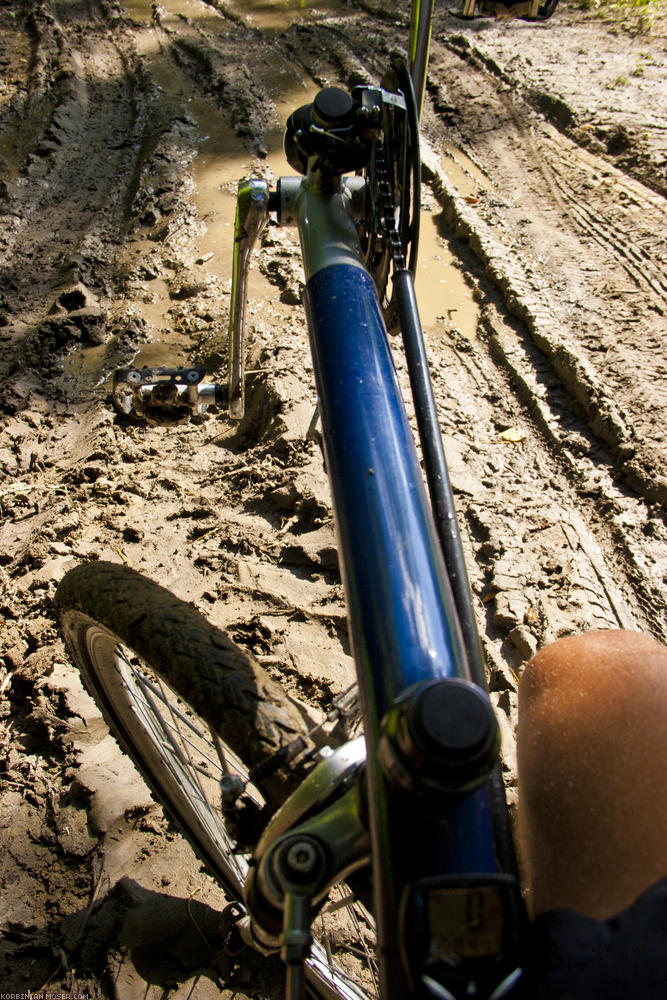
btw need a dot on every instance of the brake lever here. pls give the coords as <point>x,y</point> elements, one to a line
<point>252,213</point>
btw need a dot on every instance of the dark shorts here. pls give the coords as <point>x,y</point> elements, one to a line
<point>572,957</point>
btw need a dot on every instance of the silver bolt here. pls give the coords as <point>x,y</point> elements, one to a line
<point>231,787</point>
<point>302,857</point>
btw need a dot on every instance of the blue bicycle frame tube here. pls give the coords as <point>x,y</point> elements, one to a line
<point>399,600</point>
<point>403,626</point>
<point>398,595</point>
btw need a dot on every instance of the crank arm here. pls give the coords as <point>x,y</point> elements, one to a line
<point>252,213</point>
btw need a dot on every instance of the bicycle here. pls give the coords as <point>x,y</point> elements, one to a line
<point>410,816</point>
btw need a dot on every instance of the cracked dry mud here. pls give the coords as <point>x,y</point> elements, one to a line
<point>123,131</point>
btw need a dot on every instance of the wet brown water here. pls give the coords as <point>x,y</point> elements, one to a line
<point>444,298</point>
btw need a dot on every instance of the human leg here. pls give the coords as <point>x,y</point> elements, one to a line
<point>592,754</point>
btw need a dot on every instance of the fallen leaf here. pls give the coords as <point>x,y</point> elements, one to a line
<point>513,434</point>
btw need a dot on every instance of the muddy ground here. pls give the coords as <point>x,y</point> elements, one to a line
<point>123,131</point>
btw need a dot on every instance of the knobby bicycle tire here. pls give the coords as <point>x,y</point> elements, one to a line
<point>165,680</point>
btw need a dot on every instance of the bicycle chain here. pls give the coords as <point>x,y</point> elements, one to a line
<point>388,218</point>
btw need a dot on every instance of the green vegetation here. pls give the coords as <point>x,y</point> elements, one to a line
<point>636,16</point>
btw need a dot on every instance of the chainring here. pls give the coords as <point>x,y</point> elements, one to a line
<point>393,180</point>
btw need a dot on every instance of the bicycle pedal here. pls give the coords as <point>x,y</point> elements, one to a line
<point>163,394</point>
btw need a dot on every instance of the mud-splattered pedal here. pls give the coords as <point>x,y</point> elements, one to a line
<point>164,394</point>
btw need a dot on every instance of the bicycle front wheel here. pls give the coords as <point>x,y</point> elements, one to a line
<point>198,716</point>
<point>189,706</point>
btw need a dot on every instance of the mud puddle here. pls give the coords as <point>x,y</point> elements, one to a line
<point>280,15</point>
<point>464,174</point>
<point>444,296</point>
<point>211,178</point>
<point>219,163</point>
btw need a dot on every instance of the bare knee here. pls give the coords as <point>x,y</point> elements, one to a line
<point>591,748</point>
<point>595,662</point>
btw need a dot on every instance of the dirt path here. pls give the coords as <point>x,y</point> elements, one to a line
<point>123,130</point>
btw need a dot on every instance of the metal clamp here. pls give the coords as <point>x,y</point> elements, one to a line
<point>325,813</point>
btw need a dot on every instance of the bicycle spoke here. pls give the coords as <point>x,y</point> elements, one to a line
<point>167,702</point>
<point>220,750</point>
<point>366,952</point>
<point>166,729</point>
<point>222,764</point>
<point>345,901</point>
<point>198,767</point>
<point>211,737</point>
<point>157,691</point>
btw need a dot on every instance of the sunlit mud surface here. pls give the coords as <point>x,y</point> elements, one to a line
<point>124,130</point>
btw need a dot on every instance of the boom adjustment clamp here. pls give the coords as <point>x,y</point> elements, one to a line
<point>440,737</point>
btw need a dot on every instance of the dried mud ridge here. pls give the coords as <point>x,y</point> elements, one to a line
<point>554,413</point>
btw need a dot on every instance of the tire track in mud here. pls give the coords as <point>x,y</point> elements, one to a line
<point>643,265</point>
<point>629,530</point>
<point>570,278</point>
<point>620,214</point>
<point>71,196</point>
<point>69,167</point>
<point>540,570</point>
<point>625,413</point>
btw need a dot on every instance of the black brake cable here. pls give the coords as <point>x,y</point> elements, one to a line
<point>435,463</point>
